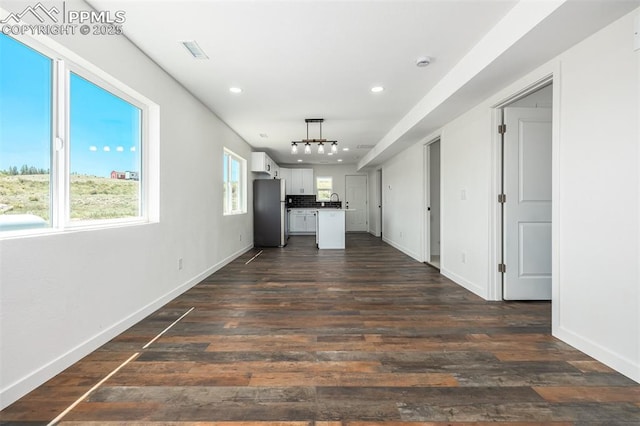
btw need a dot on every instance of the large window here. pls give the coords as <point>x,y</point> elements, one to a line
<point>324,188</point>
<point>25,136</point>
<point>234,169</point>
<point>93,176</point>
<point>104,153</point>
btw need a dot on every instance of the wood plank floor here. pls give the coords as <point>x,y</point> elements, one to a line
<point>362,336</point>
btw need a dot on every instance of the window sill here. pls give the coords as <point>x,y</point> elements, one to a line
<point>93,226</point>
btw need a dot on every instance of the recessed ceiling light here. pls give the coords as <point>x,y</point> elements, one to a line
<point>345,149</point>
<point>194,49</point>
<point>299,160</point>
<point>377,89</point>
<point>331,153</point>
<point>264,135</point>
<point>235,90</point>
<point>339,160</point>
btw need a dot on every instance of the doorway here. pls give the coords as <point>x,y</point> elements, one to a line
<point>379,201</point>
<point>525,196</point>
<point>432,219</point>
<point>356,203</point>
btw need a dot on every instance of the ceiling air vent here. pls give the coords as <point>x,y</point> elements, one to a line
<point>194,49</point>
<point>365,146</point>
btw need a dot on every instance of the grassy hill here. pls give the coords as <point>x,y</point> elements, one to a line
<point>91,197</point>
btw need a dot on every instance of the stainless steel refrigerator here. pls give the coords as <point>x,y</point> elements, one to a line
<point>270,228</point>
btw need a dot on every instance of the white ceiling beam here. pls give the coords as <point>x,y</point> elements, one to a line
<point>520,20</point>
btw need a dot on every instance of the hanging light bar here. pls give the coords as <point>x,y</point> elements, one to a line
<point>307,142</point>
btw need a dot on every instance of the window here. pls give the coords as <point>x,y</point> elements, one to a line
<point>25,136</point>
<point>104,153</point>
<point>234,179</point>
<point>96,176</point>
<point>324,188</point>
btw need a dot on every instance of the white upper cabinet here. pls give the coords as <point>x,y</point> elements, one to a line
<point>262,163</point>
<point>301,182</point>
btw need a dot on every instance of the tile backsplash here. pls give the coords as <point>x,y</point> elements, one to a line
<point>309,201</point>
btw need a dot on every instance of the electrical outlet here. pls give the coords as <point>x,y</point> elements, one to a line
<point>180,264</point>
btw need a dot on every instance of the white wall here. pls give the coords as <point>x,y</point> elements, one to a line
<point>597,286</point>
<point>596,237</point>
<point>64,295</point>
<point>402,201</point>
<point>465,171</point>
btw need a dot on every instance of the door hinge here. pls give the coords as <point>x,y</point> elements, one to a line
<point>502,129</point>
<point>502,198</point>
<point>502,267</point>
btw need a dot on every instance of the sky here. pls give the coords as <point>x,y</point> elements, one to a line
<point>104,129</point>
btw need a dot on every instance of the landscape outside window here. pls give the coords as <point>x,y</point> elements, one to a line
<point>233,190</point>
<point>25,132</point>
<point>104,143</point>
<point>104,154</point>
<point>324,187</point>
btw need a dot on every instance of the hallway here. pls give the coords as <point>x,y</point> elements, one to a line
<point>302,337</point>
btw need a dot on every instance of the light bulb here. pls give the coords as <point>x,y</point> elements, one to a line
<point>307,148</point>
<point>334,147</point>
<point>294,148</point>
<point>320,148</point>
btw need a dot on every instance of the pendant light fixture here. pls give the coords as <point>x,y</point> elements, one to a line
<point>307,142</point>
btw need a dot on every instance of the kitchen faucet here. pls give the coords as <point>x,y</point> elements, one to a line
<point>337,197</point>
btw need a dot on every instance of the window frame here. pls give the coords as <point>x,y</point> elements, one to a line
<point>318,198</point>
<point>64,62</point>
<point>70,68</point>
<point>228,155</point>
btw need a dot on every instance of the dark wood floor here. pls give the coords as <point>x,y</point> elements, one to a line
<point>362,336</point>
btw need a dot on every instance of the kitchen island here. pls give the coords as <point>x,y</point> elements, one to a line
<point>330,228</point>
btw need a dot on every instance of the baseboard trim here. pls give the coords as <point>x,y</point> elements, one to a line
<point>401,248</point>
<point>619,363</point>
<point>21,387</point>
<point>474,288</point>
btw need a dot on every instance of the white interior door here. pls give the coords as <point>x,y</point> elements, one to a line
<point>527,210</point>
<point>356,203</point>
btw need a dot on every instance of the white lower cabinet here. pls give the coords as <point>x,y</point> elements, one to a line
<point>302,222</point>
<point>310,223</point>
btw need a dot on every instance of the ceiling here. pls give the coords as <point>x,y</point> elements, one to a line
<point>319,59</point>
